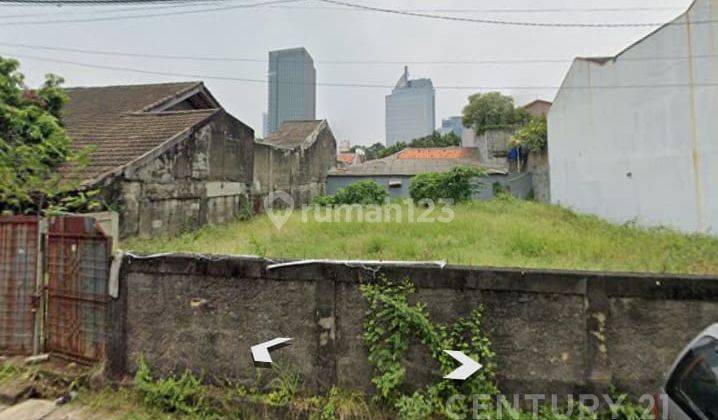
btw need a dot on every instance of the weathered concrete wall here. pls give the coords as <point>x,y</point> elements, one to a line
<point>302,173</point>
<point>518,184</point>
<point>203,179</point>
<point>538,167</point>
<point>634,137</point>
<point>552,331</point>
<point>493,146</point>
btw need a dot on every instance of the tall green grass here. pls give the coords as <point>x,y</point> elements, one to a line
<point>505,233</point>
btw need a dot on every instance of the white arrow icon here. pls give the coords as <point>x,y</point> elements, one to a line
<point>260,352</point>
<point>468,366</point>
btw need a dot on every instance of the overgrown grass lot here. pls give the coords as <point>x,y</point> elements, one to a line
<point>501,232</point>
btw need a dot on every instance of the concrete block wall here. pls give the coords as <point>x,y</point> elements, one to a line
<point>554,332</point>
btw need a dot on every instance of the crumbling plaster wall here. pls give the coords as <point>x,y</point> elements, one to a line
<point>302,173</point>
<point>203,179</point>
<point>553,332</point>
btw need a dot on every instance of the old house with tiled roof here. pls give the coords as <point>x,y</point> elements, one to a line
<point>394,172</point>
<point>295,159</point>
<point>167,156</point>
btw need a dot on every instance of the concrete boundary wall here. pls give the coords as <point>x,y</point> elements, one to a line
<point>554,332</point>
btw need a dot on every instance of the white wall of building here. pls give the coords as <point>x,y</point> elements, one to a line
<point>636,137</point>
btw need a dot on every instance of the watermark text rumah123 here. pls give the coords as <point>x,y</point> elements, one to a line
<point>279,207</point>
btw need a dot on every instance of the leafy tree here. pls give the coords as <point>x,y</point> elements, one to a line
<point>432,140</point>
<point>371,152</point>
<point>33,146</point>
<point>437,140</point>
<point>492,110</point>
<point>533,136</point>
<point>388,151</point>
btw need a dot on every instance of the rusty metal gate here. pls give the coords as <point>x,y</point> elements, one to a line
<point>77,266</point>
<point>19,249</point>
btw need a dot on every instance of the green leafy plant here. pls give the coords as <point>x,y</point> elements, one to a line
<point>185,394</point>
<point>38,167</point>
<point>533,136</point>
<point>390,150</point>
<point>492,110</point>
<point>341,404</point>
<point>363,192</point>
<point>284,387</point>
<point>454,185</point>
<point>389,327</point>
<point>434,139</point>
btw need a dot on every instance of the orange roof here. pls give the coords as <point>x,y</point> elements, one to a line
<point>434,153</point>
<point>345,157</point>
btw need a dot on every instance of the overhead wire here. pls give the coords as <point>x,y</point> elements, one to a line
<point>504,22</point>
<point>148,15</point>
<point>491,61</point>
<point>360,84</point>
<point>351,5</point>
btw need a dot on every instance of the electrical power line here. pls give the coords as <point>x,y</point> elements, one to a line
<point>91,2</point>
<point>360,84</point>
<point>338,62</point>
<point>501,22</point>
<point>355,6</point>
<point>105,10</point>
<point>179,3</point>
<point>506,10</point>
<point>149,15</point>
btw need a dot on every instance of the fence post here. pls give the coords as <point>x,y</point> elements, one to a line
<point>38,299</point>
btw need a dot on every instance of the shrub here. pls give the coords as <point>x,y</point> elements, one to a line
<point>185,395</point>
<point>363,192</point>
<point>323,200</point>
<point>454,185</point>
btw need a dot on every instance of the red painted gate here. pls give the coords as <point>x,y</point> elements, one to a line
<point>77,265</point>
<point>19,249</point>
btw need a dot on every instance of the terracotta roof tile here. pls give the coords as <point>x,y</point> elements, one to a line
<point>414,161</point>
<point>109,120</point>
<point>443,153</point>
<point>345,157</point>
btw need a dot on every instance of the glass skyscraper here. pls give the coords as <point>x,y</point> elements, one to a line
<point>410,110</point>
<point>292,87</point>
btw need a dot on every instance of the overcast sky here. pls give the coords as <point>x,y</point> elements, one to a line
<point>330,33</point>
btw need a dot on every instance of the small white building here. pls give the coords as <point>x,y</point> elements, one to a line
<point>635,136</point>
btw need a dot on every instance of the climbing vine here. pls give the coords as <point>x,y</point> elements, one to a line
<point>391,324</point>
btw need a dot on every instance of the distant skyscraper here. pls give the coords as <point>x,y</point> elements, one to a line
<point>452,124</point>
<point>409,110</point>
<point>265,125</point>
<point>292,87</point>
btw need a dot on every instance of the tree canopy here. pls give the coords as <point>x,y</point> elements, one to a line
<point>432,140</point>
<point>533,136</point>
<point>492,110</point>
<point>33,144</point>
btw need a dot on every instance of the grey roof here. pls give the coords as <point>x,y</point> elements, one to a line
<point>293,134</point>
<point>414,161</point>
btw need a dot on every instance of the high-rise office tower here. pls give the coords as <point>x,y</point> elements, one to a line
<point>409,110</point>
<point>292,87</point>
